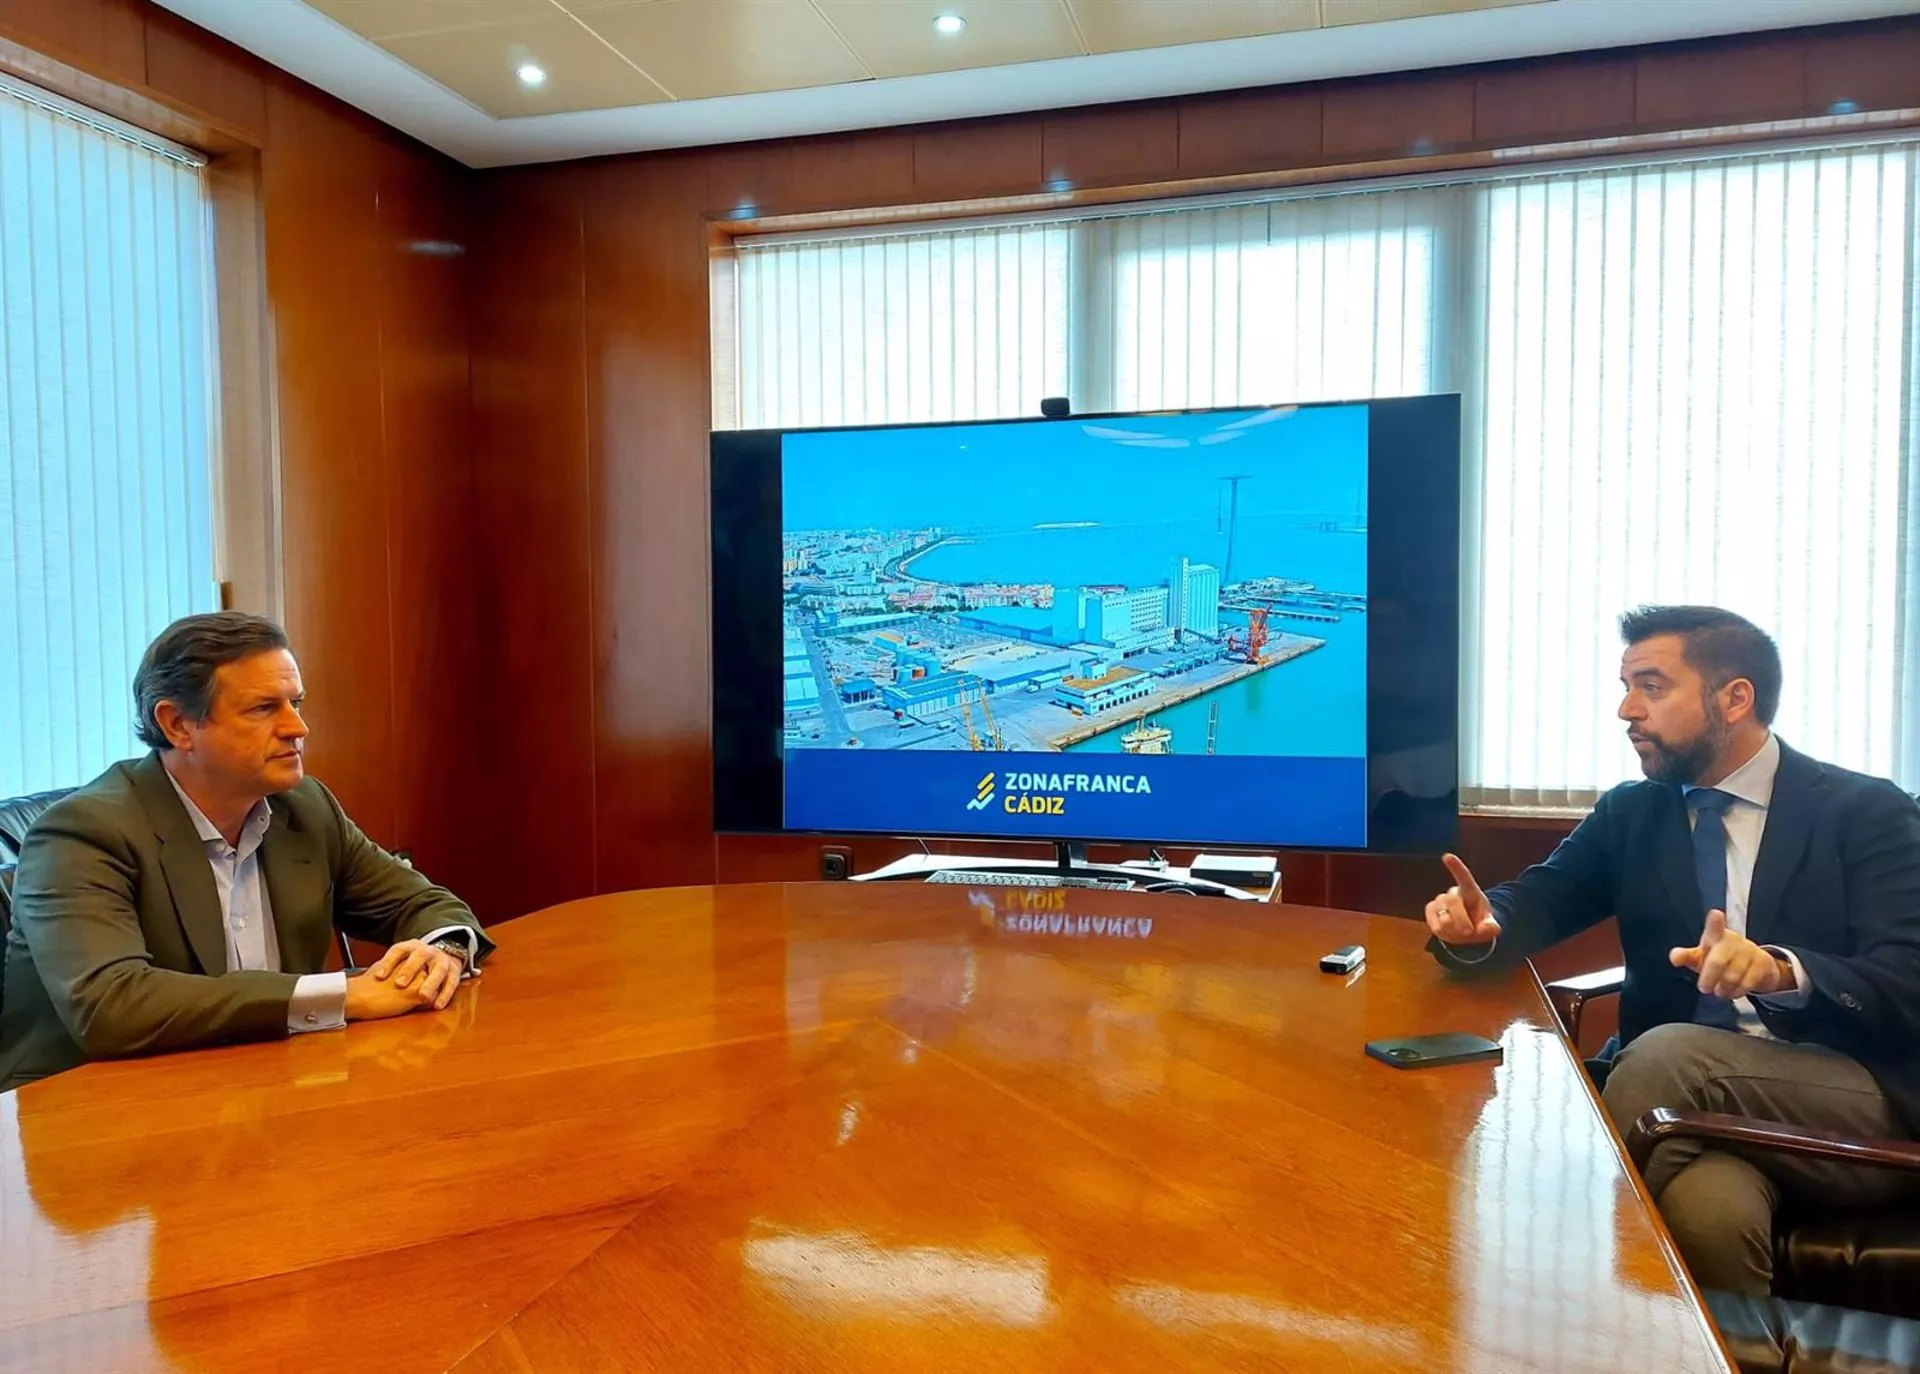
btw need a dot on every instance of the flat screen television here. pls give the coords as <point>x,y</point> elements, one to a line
<point>1215,628</point>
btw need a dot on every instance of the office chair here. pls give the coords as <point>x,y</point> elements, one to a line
<point>1869,1260</point>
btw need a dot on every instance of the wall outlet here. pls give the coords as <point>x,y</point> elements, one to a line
<point>836,862</point>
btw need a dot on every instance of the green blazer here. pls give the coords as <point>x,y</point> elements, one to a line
<point>118,947</point>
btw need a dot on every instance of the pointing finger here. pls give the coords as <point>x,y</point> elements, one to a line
<point>1716,929</point>
<point>1465,885</point>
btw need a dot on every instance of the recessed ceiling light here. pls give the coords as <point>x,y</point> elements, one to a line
<point>949,24</point>
<point>531,74</point>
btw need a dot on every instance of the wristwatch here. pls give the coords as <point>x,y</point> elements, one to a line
<point>457,948</point>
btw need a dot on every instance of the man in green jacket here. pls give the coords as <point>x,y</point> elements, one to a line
<point>189,898</point>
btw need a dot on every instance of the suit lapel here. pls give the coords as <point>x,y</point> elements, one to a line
<point>1674,854</point>
<point>290,861</point>
<point>1790,817</point>
<point>183,858</point>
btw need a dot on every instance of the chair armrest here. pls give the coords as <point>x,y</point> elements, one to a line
<point>1665,1123</point>
<point>1571,995</point>
<point>1777,1336</point>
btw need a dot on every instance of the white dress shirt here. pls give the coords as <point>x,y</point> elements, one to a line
<point>1751,786</point>
<point>319,999</point>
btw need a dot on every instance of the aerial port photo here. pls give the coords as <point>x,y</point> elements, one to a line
<point>1144,599</point>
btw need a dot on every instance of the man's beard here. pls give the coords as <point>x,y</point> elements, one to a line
<point>1686,763</point>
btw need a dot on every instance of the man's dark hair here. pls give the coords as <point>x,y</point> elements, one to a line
<point>179,665</point>
<point>1719,645</point>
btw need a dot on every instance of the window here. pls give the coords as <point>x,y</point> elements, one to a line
<point>106,503</point>
<point>1691,389</point>
<point>1687,380</point>
<point>937,326</point>
<point>1305,300</point>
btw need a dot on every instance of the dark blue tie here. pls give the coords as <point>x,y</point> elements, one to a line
<point>1709,807</point>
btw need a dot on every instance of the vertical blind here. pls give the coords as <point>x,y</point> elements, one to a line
<point>1303,300</point>
<point>1692,383</point>
<point>1690,380</point>
<point>938,326</point>
<point>106,505</point>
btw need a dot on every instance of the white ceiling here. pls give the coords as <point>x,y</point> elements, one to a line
<point>686,104</point>
<point>605,54</point>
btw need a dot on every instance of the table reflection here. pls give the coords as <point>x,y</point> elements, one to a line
<point>1542,1209</point>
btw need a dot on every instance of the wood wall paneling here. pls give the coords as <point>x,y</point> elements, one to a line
<point>1569,97</point>
<point>424,220</point>
<point>368,292</point>
<point>749,179</point>
<point>983,158</point>
<point>869,167</point>
<point>1401,885</point>
<point>1870,66</point>
<point>321,188</point>
<point>796,858</point>
<point>647,421</point>
<point>1401,116</point>
<point>1111,145</point>
<point>535,528</point>
<point>874,165</point>
<point>1249,131</point>
<point>191,68</point>
<point>104,37</point>
<point>1694,85</point>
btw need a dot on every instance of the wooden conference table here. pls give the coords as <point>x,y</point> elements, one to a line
<point>855,1127</point>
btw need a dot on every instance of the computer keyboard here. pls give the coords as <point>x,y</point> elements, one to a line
<point>968,878</point>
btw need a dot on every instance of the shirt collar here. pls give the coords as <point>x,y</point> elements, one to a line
<point>255,824</point>
<point>1752,781</point>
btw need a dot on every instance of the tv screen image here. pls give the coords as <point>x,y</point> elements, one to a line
<point>1135,622</point>
<point>1139,627</point>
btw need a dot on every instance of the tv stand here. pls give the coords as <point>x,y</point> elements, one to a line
<point>1070,856</point>
<point>1070,861</point>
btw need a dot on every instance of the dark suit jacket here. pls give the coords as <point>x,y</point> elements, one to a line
<point>118,945</point>
<point>1837,882</point>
